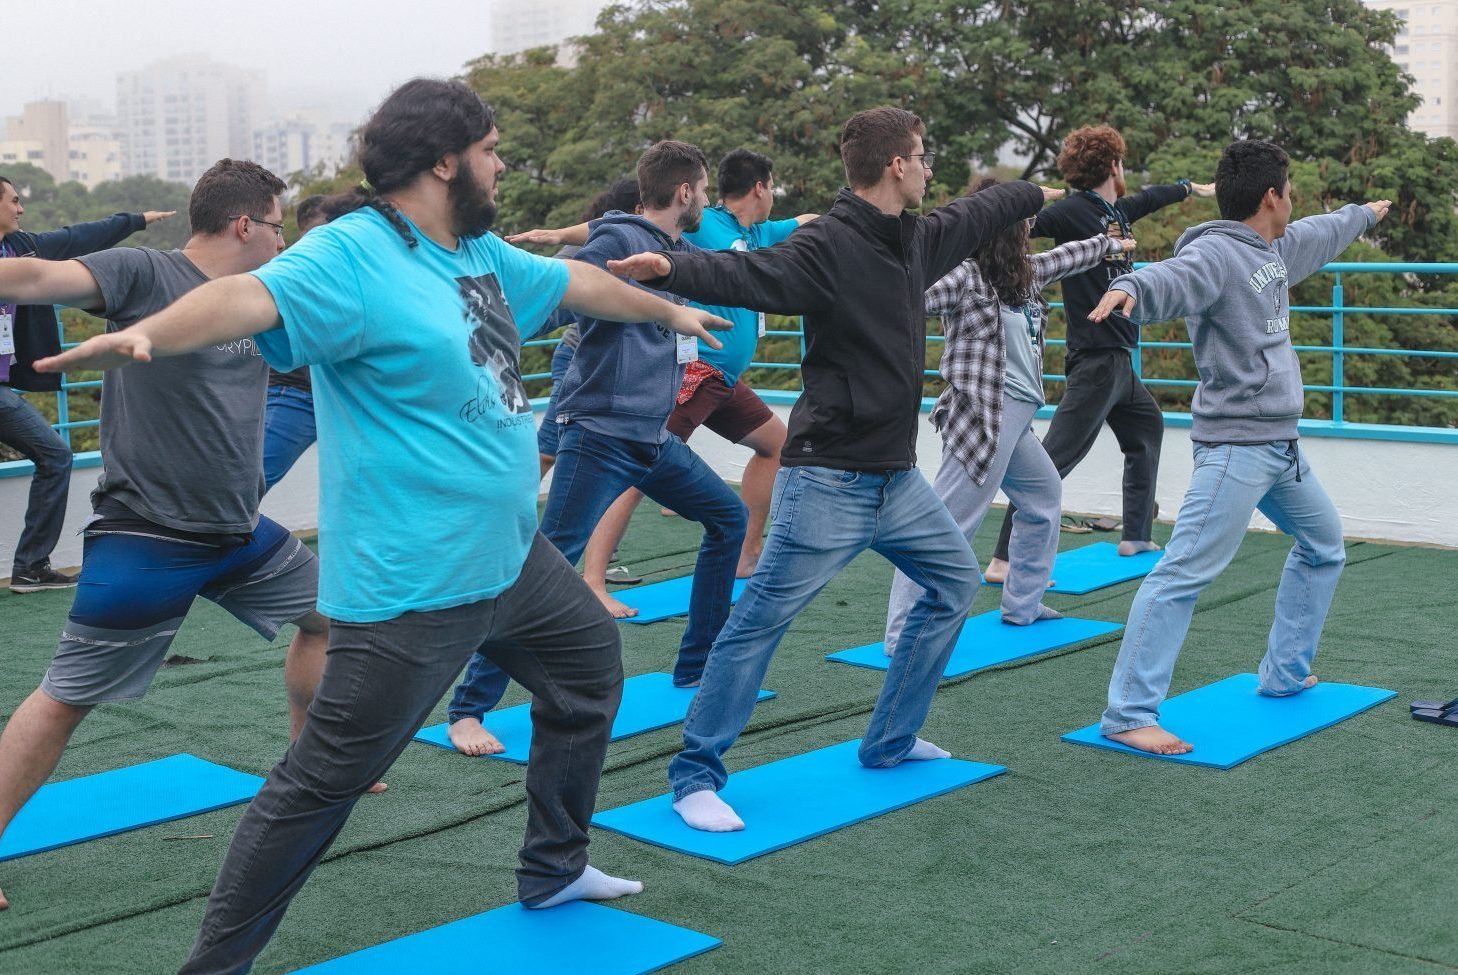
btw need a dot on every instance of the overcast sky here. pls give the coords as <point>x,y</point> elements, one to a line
<point>353,50</point>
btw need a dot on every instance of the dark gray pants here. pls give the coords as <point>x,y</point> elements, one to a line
<point>548,632</point>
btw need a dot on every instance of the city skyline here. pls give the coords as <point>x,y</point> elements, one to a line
<point>332,54</point>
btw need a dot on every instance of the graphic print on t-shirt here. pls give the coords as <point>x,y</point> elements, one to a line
<point>494,342</point>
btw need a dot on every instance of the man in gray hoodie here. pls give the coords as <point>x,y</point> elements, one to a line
<point>1230,280</point>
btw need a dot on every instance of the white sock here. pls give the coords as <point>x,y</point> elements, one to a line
<point>593,885</point>
<point>924,751</point>
<point>706,811</point>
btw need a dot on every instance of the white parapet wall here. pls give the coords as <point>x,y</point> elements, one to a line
<point>1397,491</point>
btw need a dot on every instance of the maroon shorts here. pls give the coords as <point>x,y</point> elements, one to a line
<point>733,413</point>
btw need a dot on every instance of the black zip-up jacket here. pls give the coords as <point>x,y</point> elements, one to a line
<point>1084,214</point>
<point>858,277</point>
<point>37,333</point>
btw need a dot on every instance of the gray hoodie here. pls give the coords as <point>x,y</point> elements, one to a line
<point>1233,290</point>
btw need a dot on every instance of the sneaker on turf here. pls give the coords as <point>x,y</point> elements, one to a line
<point>40,577</point>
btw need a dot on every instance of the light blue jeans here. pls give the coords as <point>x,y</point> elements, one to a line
<point>1230,482</point>
<point>1022,468</point>
<point>821,519</point>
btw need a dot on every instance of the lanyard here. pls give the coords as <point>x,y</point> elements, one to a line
<point>1112,211</point>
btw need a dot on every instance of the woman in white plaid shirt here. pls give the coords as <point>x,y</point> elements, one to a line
<point>993,315</point>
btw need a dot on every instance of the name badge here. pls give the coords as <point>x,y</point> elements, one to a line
<point>688,348</point>
<point>7,333</point>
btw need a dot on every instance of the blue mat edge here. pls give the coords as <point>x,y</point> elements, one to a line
<point>1114,746</point>
<point>832,656</point>
<point>6,858</point>
<point>993,772</point>
<point>764,695</point>
<point>708,942</point>
<point>734,597</point>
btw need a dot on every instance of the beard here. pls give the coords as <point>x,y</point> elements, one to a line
<point>472,212</point>
<point>691,220</point>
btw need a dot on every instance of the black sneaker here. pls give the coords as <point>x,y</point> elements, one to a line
<point>39,578</point>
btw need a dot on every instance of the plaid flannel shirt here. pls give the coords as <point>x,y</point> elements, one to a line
<point>969,412</point>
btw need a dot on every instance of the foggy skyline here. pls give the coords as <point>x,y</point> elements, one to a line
<point>344,55</point>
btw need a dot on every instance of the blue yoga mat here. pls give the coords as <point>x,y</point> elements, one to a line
<point>572,939</point>
<point>986,641</point>
<point>1229,722</point>
<point>664,600</point>
<point>650,702</point>
<point>793,800</point>
<point>123,799</point>
<point>1082,570</point>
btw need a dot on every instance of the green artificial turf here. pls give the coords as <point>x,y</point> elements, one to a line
<point>1333,854</point>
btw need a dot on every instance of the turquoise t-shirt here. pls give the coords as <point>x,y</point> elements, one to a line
<point>721,231</point>
<point>427,441</point>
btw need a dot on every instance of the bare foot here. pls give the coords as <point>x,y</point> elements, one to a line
<point>1127,548</point>
<point>1152,739</point>
<point>619,609</point>
<point>996,572</point>
<point>3,902</point>
<point>1307,684</point>
<point>377,788</point>
<point>747,562</point>
<point>471,738</point>
<point>668,512</point>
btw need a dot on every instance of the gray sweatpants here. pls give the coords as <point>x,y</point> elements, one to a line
<point>1022,469</point>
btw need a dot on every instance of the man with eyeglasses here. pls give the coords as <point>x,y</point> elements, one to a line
<point>176,506</point>
<point>848,479</point>
<point>28,333</point>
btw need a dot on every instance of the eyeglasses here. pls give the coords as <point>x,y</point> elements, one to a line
<point>927,158</point>
<point>277,227</point>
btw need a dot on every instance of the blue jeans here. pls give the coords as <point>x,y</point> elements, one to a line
<point>592,470</point>
<point>288,431</point>
<point>822,519</point>
<point>550,430</point>
<point>23,428</point>
<point>1229,483</point>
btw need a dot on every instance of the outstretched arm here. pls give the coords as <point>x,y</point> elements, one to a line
<point>32,281</point>
<point>1184,285</point>
<point>1075,257</point>
<point>600,295</point>
<point>576,235</point>
<point>221,310</point>
<point>1311,242</point>
<point>81,239</point>
<point>791,278</point>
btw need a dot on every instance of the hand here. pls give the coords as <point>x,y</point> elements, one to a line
<point>1127,244</point>
<point>696,322</point>
<point>152,216</point>
<point>1111,298</point>
<point>1202,189</point>
<point>1380,207</point>
<point>641,267</point>
<point>548,238</point>
<point>1049,193</point>
<point>105,351</point>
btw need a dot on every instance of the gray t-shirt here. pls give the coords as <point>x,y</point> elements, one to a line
<point>1024,378</point>
<point>182,436</point>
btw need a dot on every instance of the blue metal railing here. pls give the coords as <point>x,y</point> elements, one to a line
<point>1338,350</point>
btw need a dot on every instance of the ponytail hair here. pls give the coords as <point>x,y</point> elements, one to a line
<point>421,122</point>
